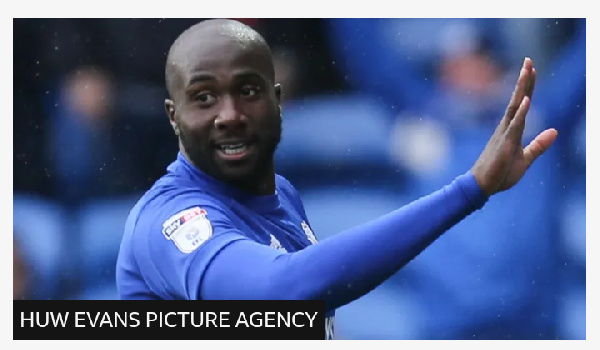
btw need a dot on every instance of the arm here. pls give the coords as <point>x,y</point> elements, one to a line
<point>346,266</point>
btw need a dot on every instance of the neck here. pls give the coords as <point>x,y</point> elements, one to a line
<point>260,183</point>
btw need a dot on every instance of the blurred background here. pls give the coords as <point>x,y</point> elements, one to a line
<point>377,112</point>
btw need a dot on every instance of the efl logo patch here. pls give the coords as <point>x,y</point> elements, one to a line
<point>188,229</point>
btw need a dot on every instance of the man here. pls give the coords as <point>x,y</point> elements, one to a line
<point>222,225</point>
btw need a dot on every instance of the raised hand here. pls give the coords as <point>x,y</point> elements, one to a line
<point>504,161</point>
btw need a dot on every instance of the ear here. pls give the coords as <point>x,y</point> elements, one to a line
<point>278,92</point>
<point>170,110</point>
<point>278,95</point>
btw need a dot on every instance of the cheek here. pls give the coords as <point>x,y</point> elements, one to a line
<point>270,112</point>
<point>194,123</point>
<point>194,133</point>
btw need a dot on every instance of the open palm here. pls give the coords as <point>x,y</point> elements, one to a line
<point>504,160</point>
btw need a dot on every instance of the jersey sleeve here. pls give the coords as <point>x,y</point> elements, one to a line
<point>345,266</point>
<point>176,239</point>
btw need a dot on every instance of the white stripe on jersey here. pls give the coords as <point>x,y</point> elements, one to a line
<point>329,329</point>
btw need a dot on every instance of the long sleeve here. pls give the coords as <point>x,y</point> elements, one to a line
<point>346,266</point>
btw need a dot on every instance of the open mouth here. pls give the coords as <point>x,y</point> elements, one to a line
<point>234,150</point>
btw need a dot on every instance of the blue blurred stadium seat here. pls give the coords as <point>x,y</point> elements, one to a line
<point>384,313</point>
<point>573,228</point>
<point>331,139</point>
<point>101,226</point>
<point>573,205</point>
<point>334,209</point>
<point>572,309</point>
<point>572,314</point>
<point>40,229</point>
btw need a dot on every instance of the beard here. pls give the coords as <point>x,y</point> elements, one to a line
<point>248,173</point>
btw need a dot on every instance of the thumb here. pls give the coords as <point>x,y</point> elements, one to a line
<point>539,145</point>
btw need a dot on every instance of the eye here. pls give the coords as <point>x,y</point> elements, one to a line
<point>205,98</point>
<point>250,90</point>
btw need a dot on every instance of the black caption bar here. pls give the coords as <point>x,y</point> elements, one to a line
<point>172,320</point>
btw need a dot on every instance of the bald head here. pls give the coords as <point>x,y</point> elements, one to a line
<point>205,40</point>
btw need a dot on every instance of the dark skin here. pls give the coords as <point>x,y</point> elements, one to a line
<point>504,160</point>
<point>224,95</point>
<point>223,92</point>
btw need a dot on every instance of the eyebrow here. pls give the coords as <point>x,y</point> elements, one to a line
<point>237,75</point>
<point>248,74</point>
<point>200,77</point>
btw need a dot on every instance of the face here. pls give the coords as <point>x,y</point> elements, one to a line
<point>227,110</point>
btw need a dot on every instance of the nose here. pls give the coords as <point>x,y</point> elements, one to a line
<point>230,116</point>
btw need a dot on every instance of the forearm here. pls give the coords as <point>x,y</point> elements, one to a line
<point>348,265</point>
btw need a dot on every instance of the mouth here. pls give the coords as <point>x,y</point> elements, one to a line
<point>234,151</point>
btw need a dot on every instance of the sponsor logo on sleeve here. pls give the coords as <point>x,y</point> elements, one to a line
<point>188,229</point>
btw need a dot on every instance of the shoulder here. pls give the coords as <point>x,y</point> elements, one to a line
<point>289,192</point>
<point>285,186</point>
<point>173,234</point>
<point>171,207</point>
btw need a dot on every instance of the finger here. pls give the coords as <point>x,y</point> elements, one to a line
<point>539,145</point>
<point>517,125</point>
<point>518,92</point>
<point>528,63</point>
<point>531,85</point>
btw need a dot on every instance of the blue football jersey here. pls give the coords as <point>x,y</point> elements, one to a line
<point>177,228</point>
